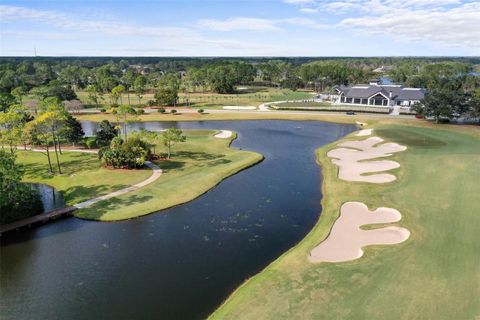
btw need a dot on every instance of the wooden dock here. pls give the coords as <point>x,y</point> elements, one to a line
<point>39,218</point>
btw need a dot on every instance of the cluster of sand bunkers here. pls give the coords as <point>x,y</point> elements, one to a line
<point>355,163</point>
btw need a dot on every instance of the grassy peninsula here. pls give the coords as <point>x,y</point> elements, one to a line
<point>196,166</point>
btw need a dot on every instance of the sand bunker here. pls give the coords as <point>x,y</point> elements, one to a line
<point>346,239</point>
<point>364,132</point>
<point>352,165</point>
<point>223,134</point>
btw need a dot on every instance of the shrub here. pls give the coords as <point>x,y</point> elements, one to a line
<point>140,111</point>
<point>130,154</point>
<point>151,103</point>
<point>173,111</point>
<point>161,110</point>
<point>103,110</point>
<point>106,133</point>
<point>200,111</point>
<point>90,143</point>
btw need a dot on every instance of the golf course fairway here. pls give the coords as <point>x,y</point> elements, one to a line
<point>435,274</point>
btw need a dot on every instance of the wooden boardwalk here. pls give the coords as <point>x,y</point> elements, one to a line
<point>44,217</point>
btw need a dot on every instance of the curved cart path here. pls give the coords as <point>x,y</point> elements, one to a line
<point>157,172</point>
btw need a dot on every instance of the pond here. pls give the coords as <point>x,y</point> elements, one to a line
<point>51,198</point>
<point>183,262</point>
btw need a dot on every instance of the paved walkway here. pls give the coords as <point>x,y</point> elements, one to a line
<point>157,172</point>
<point>395,111</point>
<point>63,150</point>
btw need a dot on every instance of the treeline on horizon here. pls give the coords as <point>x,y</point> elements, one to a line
<point>64,77</point>
<point>171,64</point>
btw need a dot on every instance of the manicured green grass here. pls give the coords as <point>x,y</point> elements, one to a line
<point>327,106</point>
<point>194,116</point>
<point>196,166</point>
<point>247,96</point>
<point>435,274</point>
<point>83,176</point>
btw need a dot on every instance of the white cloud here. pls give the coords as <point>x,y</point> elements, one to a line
<point>254,24</point>
<point>308,10</point>
<point>238,23</point>
<point>299,1</point>
<point>39,35</point>
<point>57,19</point>
<point>447,22</point>
<point>453,27</point>
<point>421,3</point>
<point>342,7</point>
<point>304,22</point>
<point>168,38</point>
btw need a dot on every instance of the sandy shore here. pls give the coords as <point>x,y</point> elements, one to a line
<point>350,159</point>
<point>223,134</point>
<point>346,239</point>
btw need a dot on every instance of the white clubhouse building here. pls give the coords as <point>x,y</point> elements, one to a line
<point>375,94</point>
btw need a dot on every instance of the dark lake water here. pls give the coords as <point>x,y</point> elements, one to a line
<point>180,263</point>
<point>51,198</point>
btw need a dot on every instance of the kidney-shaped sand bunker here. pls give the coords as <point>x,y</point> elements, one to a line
<point>346,239</point>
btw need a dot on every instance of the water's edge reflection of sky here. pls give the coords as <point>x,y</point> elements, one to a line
<point>183,262</point>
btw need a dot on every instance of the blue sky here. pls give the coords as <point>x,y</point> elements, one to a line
<point>240,28</point>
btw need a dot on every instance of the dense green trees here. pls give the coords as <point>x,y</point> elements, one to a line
<point>12,123</point>
<point>105,133</point>
<point>328,74</point>
<point>170,137</point>
<point>24,79</point>
<point>6,100</point>
<point>131,153</point>
<point>140,85</point>
<point>17,200</point>
<point>125,114</point>
<point>167,89</point>
<point>72,130</point>
<point>54,88</point>
<point>93,94</point>
<point>450,90</point>
<point>221,77</point>
<point>116,94</point>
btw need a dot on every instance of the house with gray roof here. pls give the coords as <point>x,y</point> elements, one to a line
<point>375,94</point>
